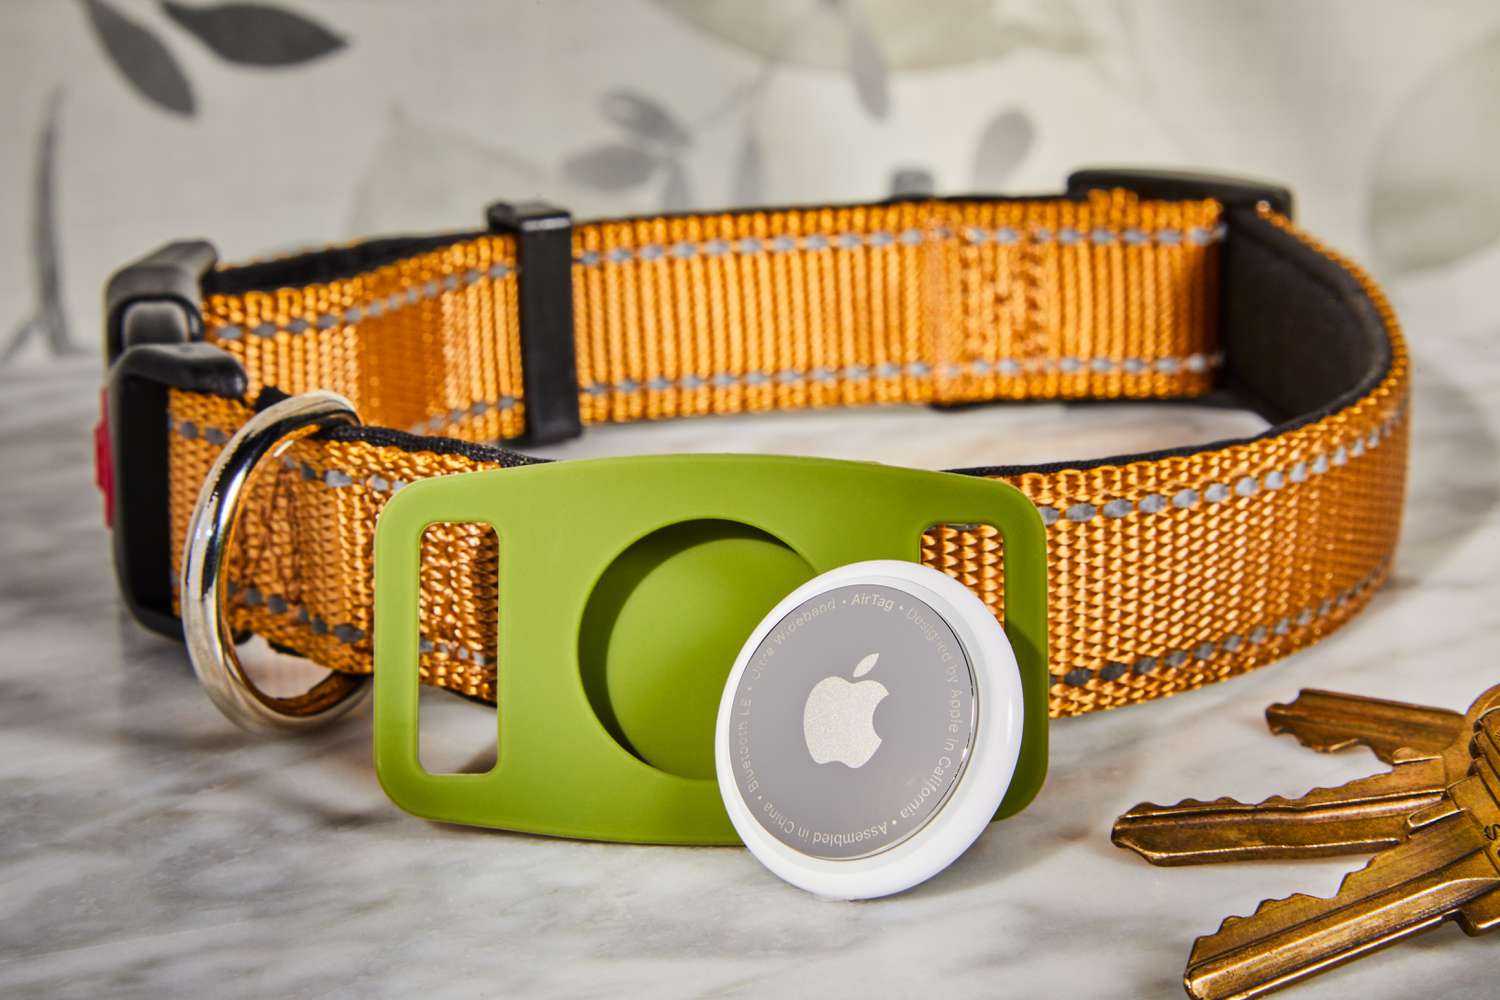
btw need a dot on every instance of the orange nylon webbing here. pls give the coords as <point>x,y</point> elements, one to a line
<point>1164,574</point>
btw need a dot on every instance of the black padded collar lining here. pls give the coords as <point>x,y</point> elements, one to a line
<point>1301,338</point>
<point>317,266</point>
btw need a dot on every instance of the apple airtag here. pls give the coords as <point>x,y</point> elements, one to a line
<point>869,729</point>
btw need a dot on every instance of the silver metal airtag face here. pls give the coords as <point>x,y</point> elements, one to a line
<point>852,722</point>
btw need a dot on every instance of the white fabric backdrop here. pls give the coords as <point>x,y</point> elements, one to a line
<point>304,122</point>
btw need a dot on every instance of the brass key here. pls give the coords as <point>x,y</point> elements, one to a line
<point>1449,866</point>
<point>1363,815</point>
<point>1327,721</point>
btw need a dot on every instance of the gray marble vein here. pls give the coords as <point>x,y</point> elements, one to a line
<point>147,848</point>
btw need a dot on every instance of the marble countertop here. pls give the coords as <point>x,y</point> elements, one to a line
<point>148,848</point>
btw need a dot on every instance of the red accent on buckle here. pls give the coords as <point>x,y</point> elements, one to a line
<point>104,466</point>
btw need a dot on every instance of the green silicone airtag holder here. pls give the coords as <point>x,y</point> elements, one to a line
<point>626,588</point>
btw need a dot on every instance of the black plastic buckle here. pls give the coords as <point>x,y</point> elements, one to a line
<point>156,299</point>
<point>1178,185</point>
<point>544,284</point>
<point>153,330</point>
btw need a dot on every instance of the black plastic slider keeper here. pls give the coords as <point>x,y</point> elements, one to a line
<point>544,287</point>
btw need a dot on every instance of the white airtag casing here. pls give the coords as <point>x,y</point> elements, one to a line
<point>869,729</point>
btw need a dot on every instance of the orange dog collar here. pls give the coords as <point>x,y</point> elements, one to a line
<point>1168,570</point>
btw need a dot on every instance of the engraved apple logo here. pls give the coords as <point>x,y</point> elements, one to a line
<point>838,721</point>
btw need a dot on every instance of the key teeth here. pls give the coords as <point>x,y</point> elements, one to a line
<point>1210,945</point>
<point>1317,792</point>
<point>1307,719</point>
<point>1156,809</point>
<point>1123,835</point>
<point>1310,738</point>
<point>1227,801</point>
<point>1296,897</point>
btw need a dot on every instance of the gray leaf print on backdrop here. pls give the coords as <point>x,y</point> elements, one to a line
<point>256,34</point>
<point>643,118</point>
<point>677,192</point>
<point>1435,197</point>
<point>609,167</point>
<point>866,63</point>
<point>422,177</point>
<point>47,322</point>
<point>1003,144</point>
<point>749,183</point>
<point>141,58</point>
<point>909,36</point>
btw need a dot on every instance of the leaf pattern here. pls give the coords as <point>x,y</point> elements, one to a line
<point>866,665</point>
<point>610,167</point>
<point>911,36</point>
<point>644,118</point>
<point>48,322</point>
<point>677,192</point>
<point>423,176</point>
<point>1003,144</point>
<point>255,34</point>
<point>867,67</point>
<point>749,181</point>
<point>142,59</point>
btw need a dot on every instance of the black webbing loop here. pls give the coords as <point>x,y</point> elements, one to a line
<point>544,283</point>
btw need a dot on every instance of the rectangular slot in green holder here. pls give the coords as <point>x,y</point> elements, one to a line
<point>567,763</point>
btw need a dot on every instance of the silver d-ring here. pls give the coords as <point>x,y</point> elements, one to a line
<point>210,533</point>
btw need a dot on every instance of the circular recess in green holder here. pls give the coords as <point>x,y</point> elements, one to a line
<point>663,626</point>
